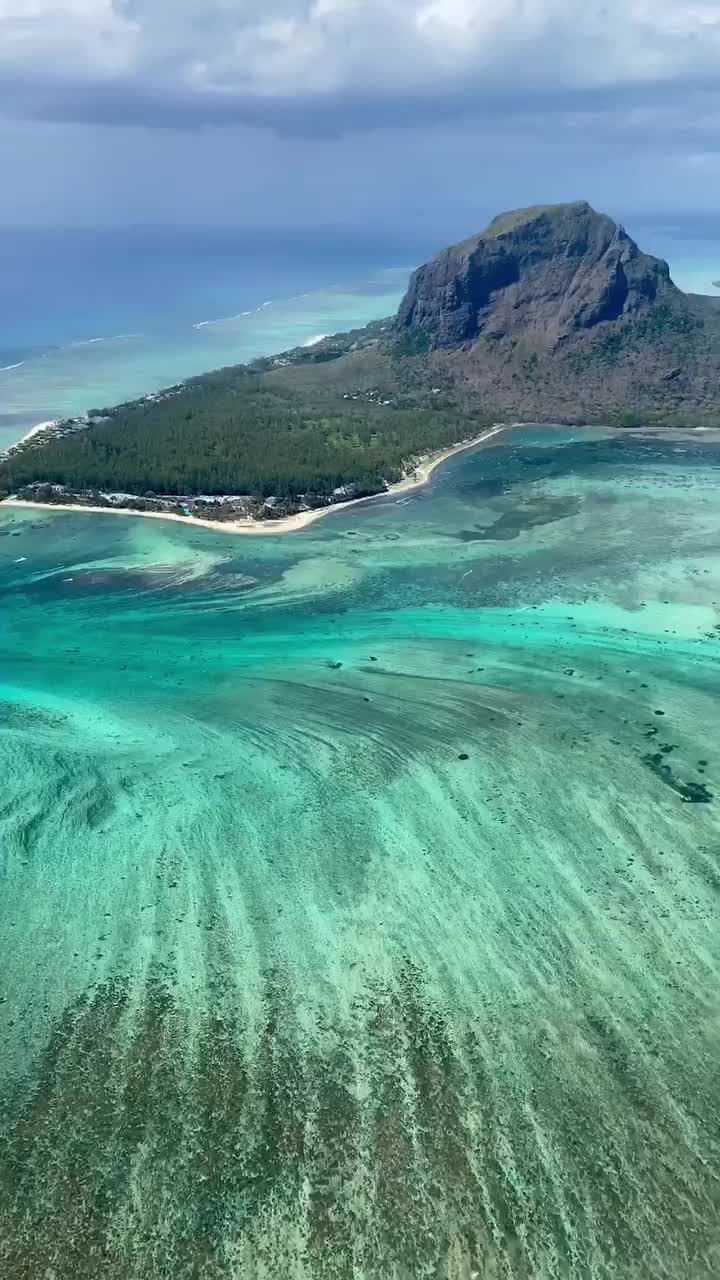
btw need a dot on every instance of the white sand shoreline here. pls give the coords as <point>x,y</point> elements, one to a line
<point>419,478</point>
<point>39,426</point>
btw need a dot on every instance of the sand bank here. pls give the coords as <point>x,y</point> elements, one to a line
<point>418,479</point>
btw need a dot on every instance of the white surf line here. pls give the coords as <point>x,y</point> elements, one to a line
<point>41,426</point>
<point>239,315</point>
<point>112,337</point>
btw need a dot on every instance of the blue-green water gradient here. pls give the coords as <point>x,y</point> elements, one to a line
<point>360,886</point>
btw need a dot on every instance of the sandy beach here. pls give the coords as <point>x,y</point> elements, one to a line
<point>34,431</point>
<point>419,477</point>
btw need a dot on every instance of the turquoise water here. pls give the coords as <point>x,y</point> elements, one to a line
<point>71,377</point>
<point>360,886</point>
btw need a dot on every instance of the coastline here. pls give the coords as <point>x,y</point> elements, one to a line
<point>411,483</point>
<point>39,426</point>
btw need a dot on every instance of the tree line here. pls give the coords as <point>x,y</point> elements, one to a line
<point>229,432</point>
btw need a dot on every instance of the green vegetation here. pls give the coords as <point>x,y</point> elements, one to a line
<point>503,223</point>
<point>663,319</point>
<point>610,347</point>
<point>412,342</point>
<point>234,432</point>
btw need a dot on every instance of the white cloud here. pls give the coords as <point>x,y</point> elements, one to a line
<point>61,39</point>
<point>191,58</point>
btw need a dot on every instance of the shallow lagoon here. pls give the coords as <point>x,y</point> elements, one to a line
<point>360,886</point>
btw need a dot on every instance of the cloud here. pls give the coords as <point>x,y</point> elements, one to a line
<point>331,66</point>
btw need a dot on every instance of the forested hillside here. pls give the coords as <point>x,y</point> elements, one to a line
<point>230,432</point>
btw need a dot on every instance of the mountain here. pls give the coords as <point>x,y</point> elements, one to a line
<point>539,274</point>
<point>552,313</point>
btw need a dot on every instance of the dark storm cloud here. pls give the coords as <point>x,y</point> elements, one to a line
<point>324,67</point>
<point>202,108</point>
<point>687,108</point>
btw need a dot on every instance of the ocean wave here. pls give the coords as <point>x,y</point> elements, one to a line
<point>239,315</point>
<point>4,368</point>
<point>39,426</point>
<point>115,337</point>
<point>317,293</point>
<point>279,302</point>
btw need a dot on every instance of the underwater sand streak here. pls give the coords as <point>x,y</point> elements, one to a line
<point>355,937</point>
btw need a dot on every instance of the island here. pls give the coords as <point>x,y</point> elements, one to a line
<point>552,313</point>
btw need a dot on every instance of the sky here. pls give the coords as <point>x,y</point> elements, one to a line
<point>430,113</point>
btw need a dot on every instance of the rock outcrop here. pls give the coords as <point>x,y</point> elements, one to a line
<point>544,274</point>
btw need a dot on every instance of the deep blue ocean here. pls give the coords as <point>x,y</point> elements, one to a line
<point>63,285</point>
<point>91,318</point>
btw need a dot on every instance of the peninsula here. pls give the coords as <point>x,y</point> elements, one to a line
<point>235,514</point>
<point>552,313</point>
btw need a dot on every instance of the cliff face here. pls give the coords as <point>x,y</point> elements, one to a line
<point>551,314</point>
<point>541,274</point>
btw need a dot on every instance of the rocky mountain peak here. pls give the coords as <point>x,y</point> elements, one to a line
<point>541,273</point>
